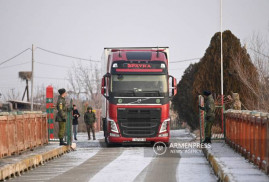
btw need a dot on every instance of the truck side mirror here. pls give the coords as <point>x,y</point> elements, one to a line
<point>172,86</point>
<point>104,85</point>
<point>103,89</point>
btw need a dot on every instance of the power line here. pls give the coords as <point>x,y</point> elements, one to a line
<point>55,65</point>
<point>7,87</point>
<point>10,81</point>
<point>53,78</point>
<point>3,62</point>
<point>184,60</point>
<point>178,69</point>
<point>64,55</point>
<point>43,77</point>
<point>15,65</point>
<point>47,64</point>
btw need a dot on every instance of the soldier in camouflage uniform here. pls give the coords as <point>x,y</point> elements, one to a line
<point>90,119</point>
<point>209,109</point>
<point>236,101</point>
<point>62,114</point>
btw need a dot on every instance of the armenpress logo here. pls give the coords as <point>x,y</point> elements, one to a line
<point>159,148</point>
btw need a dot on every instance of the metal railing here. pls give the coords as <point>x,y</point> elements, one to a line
<point>68,123</point>
<point>21,132</point>
<point>248,133</point>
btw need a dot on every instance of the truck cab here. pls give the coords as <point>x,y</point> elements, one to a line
<point>137,90</point>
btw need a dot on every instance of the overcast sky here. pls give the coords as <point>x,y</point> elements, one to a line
<point>83,28</point>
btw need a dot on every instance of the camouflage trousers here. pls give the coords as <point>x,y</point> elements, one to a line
<point>208,125</point>
<point>61,130</point>
<point>89,128</point>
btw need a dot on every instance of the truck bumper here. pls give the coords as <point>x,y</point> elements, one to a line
<point>126,140</point>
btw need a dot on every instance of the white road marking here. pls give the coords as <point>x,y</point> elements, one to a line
<point>125,168</point>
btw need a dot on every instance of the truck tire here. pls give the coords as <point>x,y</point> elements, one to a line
<point>104,126</point>
<point>167,144</point>
<point>109,144</point>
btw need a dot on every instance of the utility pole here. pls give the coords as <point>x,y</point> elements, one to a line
<point>32,81</point>
<point>221,49</point>
<point>221,60</point>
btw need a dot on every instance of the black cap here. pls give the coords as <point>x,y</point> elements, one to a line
<point>61,91</point>
<point>207,93</point>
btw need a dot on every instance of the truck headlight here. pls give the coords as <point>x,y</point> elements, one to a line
<point>113,126</point>
<point>164,126</point>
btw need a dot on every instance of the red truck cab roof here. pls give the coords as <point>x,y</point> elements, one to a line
<point>141,55</point>
<point>138,62</point>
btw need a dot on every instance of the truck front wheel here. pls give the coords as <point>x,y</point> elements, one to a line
<point>104,126</point>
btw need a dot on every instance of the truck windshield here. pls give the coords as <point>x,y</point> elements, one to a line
<point>139,85</point>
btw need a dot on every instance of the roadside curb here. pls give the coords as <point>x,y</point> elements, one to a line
<point>16,169</point>
<point>218,168</point>
<point>192,134</point>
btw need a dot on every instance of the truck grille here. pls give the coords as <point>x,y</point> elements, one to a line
<point>139,122</point>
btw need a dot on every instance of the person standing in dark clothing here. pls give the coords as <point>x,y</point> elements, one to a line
<point>90,119</point>
<point>76,115</point>
<point>209,109</point>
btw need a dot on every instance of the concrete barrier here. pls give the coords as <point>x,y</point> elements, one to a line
<point>218,169</point>
<point>16,169</point>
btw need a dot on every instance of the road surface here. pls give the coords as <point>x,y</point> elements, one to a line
<point>94,162</point>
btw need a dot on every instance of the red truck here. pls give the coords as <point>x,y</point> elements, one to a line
<point>137,90</point>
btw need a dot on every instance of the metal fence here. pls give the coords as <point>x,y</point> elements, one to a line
<point>21,132</point>
<point>248,133</point>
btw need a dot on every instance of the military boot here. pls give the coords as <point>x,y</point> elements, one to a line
<point>62,142</point>
<point>209,140</point>
<point>94,136</point>
<point>206,140</point>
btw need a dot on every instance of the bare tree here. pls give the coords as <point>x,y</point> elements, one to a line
<point>85,84</point>
<point>259,51</point>
<point>246,77</point>
<point>40,96</point>
<point>11,95</point>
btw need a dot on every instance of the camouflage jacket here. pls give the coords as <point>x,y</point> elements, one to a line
<point>236,102</point>
<point>210,106</point>
<point>89,118</point>
<point>62,110</point>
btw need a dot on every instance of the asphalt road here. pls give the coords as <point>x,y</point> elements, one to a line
<point>92,161</point>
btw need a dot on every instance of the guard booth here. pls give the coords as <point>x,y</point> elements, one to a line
<point>18,105</point>
<point>218,128</point>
